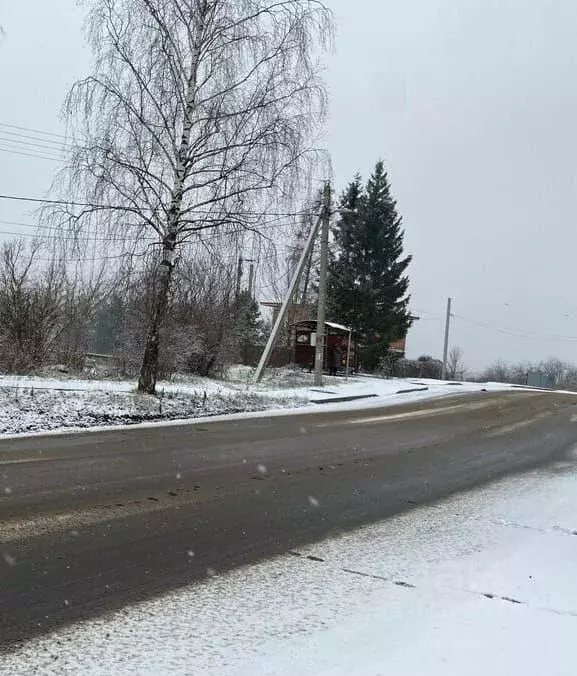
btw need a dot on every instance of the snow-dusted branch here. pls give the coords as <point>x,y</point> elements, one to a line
<point>198,114</point>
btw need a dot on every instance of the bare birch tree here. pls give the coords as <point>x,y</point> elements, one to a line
<point>198,114</point>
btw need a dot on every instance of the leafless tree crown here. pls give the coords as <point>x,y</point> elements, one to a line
<point>197,113</point>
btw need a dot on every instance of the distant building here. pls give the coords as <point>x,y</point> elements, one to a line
<point>340,340</point>
<point>539,379</point>
<point>298,338</point>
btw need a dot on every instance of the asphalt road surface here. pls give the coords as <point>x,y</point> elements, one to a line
<point>92,522</point>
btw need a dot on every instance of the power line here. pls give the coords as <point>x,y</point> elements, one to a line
<point>58,232</point>
<point>58,237</point>
<point>151,243</point>
<point>15,136</point>
<point>532,335</point>
<point>127,254</point>
<point>30,225</point>
<point>432,315</point>
<point>246,212</point>
<point>133,254</point>
<point>40,157</point>
<point>35,143</point>
<point>34,131</point>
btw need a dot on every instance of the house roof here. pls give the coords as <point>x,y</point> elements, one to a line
<point>334,325</point>
<point>311,323</point>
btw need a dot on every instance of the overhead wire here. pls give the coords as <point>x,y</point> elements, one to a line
<point>39,144</point>
<point>151,243</point>
<point>35,155</point>
<point>34,131</point>
<point>33,142</point>
<point>72,203</point>
<point>532,335</point>
<point>191,239</point>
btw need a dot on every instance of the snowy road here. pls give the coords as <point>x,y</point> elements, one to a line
<point>481,583</point>
<point>94,523</point>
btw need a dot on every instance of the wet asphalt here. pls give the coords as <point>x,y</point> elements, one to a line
<point>92,522</point>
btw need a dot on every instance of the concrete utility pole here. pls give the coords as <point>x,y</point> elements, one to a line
<point>446,345</point>
<point>251,280</point>
<point>238,277</point>
<point>321,311</point>
<point>288,298</point>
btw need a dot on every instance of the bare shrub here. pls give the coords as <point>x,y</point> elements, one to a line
<point>31,307</point>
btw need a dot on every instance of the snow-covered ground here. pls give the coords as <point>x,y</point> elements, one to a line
<point>481,583</point>
<point>33,404</point>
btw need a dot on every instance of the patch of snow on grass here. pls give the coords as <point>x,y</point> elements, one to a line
<point>44,410</point>
<point>37,404</point>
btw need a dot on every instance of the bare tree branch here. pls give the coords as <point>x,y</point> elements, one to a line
<point>198,114</point>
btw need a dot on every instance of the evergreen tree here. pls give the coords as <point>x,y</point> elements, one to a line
<point>248,325</point>
<point>108,325</point>
<point>367,283</point>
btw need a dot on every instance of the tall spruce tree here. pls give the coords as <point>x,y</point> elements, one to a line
<point>367,283</point>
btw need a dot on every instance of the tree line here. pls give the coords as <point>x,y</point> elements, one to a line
<point>52,313</point>
<point>560,373</point>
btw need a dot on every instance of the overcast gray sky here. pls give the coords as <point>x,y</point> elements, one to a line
<point>473,106</point>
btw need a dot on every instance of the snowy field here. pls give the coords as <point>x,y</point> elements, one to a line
<point>31,404</point>
<point>481,583</point>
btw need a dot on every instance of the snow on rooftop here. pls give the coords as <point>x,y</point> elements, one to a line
<point>340,327</point>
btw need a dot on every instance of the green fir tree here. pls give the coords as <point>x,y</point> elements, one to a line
<point>367,282</point>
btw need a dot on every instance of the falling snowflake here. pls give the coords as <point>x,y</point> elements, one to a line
<point>190,553</point>
<point>313,501</point>
<point>66,603</point>
<point>10,560</point>
<point>261,468</point>
<point>7,490</point>
<point>211,572</point>
<point>303,430</point>
<point>178,475</point>
<point>74,533</point>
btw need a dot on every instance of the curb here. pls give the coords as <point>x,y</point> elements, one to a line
<point>412,389</point>
<point>352,397</point>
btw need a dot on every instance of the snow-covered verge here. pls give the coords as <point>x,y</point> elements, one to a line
<point>481,583</point>
<point>25,410</point>
<point>37,404</point>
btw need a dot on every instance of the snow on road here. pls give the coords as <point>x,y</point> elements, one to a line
<point>31,404</point>
<point>481,583</point>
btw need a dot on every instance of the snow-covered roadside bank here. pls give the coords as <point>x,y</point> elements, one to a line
<point>37,411</point>
<point>30,404</point>
<point>480,583</point>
